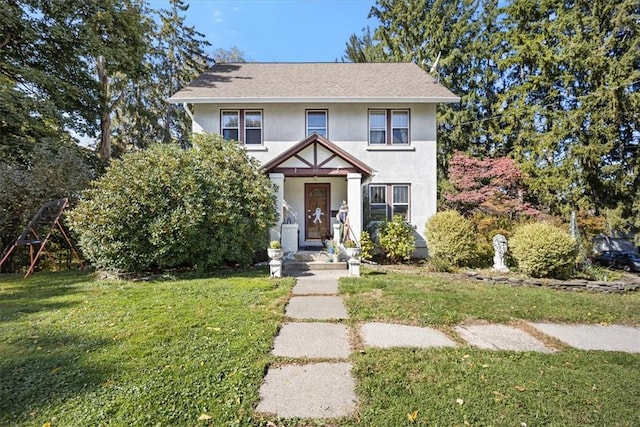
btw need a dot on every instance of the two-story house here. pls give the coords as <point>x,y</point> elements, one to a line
<point>364,133</point>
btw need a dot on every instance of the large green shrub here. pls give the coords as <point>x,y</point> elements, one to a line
<point>543,250</point>
<point>396,239</point>
<point>165,207</point>
<point>450,238</point>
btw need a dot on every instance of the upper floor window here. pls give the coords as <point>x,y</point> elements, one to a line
<point>253,127</point>
<point>244,126</point>
<point>388,127</point>
<point>317,122</point>
<point>388,200</point>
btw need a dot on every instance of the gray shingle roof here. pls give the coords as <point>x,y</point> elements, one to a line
<point>325,82</point>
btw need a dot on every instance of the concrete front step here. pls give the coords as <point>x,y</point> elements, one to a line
<point>293,265</point>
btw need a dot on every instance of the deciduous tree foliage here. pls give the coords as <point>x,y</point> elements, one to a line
<point>489,186</point>
<point>168,207</point>
<point>49,170</point>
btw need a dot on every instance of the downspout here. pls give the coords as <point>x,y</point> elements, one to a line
<point>189,113</point>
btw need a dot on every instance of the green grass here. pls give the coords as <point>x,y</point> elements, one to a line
<point>432,300</point>
<point>79,351</point>
<point>467,386</point>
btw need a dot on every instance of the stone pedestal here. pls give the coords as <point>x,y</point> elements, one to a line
<point>275,268</point>
<point>290,238</point>
<point>354,267</point>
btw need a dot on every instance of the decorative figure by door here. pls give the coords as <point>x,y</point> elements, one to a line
<point>343,219</point>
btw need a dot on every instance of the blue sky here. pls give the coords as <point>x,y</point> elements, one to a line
<point>279,30</point>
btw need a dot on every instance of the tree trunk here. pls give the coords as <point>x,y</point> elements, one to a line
<point>104,147</point>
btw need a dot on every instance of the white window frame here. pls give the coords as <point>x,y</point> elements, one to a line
<point>389,127</point>
<point>389,203</point>
<point>223,128</point>
<point>312,130</point>
<point>241,129</point>
<point>247,128</point>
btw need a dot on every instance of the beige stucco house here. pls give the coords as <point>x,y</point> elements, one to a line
<point>325,133</point>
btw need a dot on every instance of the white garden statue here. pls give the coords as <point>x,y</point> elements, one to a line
<point>500,247</point>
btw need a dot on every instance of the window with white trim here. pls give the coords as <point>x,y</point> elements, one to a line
<point>388,200</point>
<point>317,122</point>
<point>389,127</point>
<point>253,127</point>
<point>244,126</point>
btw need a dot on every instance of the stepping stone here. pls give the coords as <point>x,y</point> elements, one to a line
<point>500,337</point>
<point>316,307</point>
<point>386,335</point>
<point>594,337</point>
<point>316,287</point>
<point>321,390</point>
<point>320,340</point>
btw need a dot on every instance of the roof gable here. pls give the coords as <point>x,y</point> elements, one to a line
<point>316,155</point>
<point>320,82</point>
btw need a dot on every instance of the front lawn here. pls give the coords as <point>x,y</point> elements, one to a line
<point>423,299</point>
<point>467,386</point>
<point>79,351</point>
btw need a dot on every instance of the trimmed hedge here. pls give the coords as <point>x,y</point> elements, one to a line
<point>207,207</point>
<point>451,238</point>
<point>543,250</point>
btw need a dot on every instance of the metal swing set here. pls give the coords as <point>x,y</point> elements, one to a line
<point>38,232</point>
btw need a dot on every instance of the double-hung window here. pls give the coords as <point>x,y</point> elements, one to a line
<point>388,200</point>
<point>244,126</point>
<point>388,127</point>
<point>317,122</point>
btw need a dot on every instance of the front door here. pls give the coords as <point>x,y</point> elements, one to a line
<point>317,205</point>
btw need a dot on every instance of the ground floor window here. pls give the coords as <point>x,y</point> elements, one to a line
<point>388,200</point>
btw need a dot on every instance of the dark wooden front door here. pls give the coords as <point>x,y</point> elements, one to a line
<point>317,206</point>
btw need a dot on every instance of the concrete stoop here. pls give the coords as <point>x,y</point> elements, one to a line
<point>312,260</point>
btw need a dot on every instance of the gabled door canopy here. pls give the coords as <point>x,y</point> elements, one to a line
<point>316,156</point>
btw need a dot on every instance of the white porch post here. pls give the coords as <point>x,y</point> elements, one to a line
<point>354,199</point>
<point>278,180</point>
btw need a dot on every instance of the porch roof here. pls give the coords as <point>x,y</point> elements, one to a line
<point>316,156</point>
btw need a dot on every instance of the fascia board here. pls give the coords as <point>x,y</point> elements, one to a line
<point>289,100</point>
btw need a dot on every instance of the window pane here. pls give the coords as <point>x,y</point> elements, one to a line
<point>230,119</point>
<point>378,212</point>
<point>400,194</point>
<point>400,136</point>
<point>253,119</point>
<point>400,119</point>
<point>230,134</point>
<point>377,194</point>
<point>401,210</point>
<point>317,119</point>
<point>377,137</point>
<point>377,120</point>
<point>253,136</point>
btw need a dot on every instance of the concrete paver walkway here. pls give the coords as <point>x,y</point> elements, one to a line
<point>326,389</point>
<point>500,337</point>
<point>387,335</point>
<point>595,337</point>
<point>320,390</point>
<point>312,390</point>
<point>316,307</point>
<point>313,340</point>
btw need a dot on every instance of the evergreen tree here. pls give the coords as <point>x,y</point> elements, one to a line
<point>571,108</point>
<point>175,57</point>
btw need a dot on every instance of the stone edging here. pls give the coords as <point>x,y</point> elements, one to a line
<point>619,286</point>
